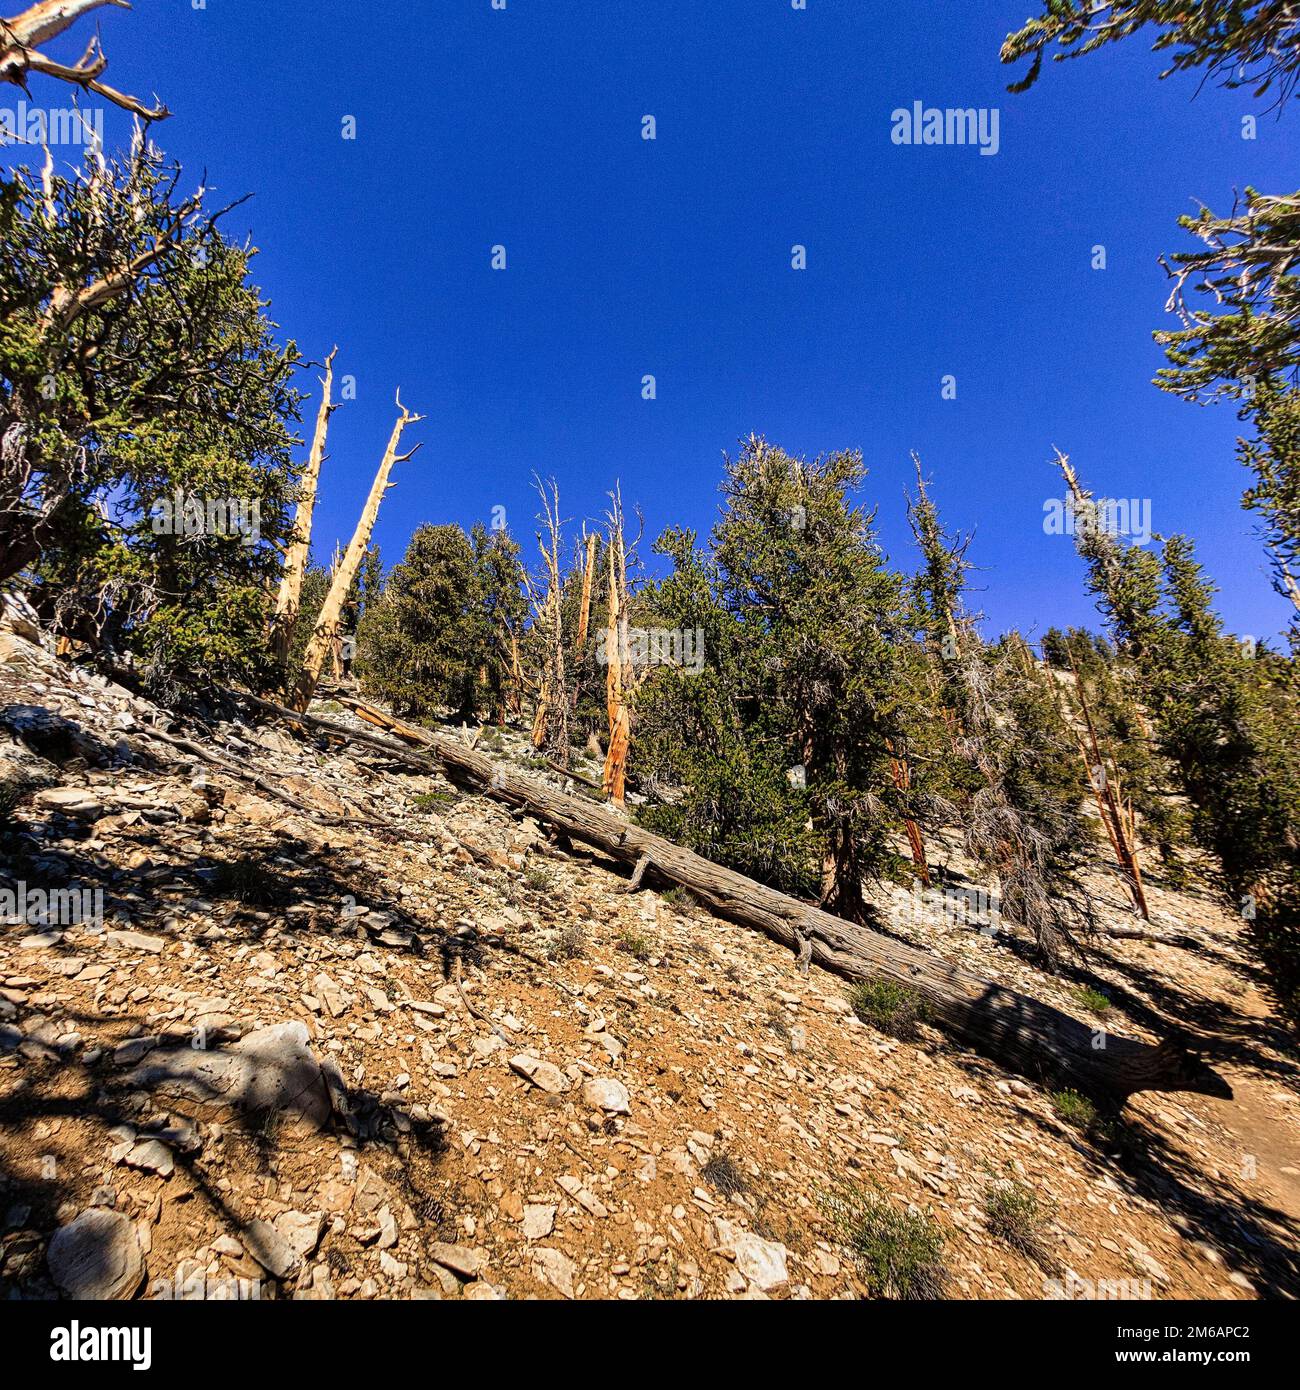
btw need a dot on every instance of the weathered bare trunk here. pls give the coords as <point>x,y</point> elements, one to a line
<point>584,609</point>
<point>901,773</point>
<point>1019,1032</point>
<point>515,691</point>
<point>618,671</point>
<point>1102,783</point>
<point>1290,585</point>
<point>551,721</point>
<point>326,631</point>
<point>295,560</point>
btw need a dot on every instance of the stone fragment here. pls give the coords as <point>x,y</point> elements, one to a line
<point>269,1072</point>
<point>97,1256</point>
<point>555,1268</point>
<point>546,1076</point>
<point>270,1249</point>
<point>539,1221</point>
<point>465,1260</point>
<point>604,1093</point>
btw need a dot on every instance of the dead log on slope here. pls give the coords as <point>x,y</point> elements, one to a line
<point>1021,1034</point>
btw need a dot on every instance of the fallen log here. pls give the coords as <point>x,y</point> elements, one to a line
<point>1019,1033</point>
<point>408,733</point>
<point>268,789</point>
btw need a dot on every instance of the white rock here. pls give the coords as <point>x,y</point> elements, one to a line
<point>539,1221</point>
<point>583,1198</point>
<point>300,1230</point>
<point>546,1076</point>
<point>762,1262</point>
<point>604,1093</point>
<point>98,1256</point>
<point>466,1260</point>
<point>71,801</point>
<point>270,1249</point>
<point>137,941</point>
<point>555,1268</point>
<point>151,1157</point>
<point>270,1071</point>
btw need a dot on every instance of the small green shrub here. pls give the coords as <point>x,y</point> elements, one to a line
<point>1091,999</point>
<point>889,1007</point>
<point>569,943</point>
<point>538,879</point>
<point>433,801</point>
<point>638,946</point>
<point>898,1253</point>
<point>1017,1216</point>
<point>1075,1109</point>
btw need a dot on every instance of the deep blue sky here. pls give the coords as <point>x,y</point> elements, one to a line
<point>627,257</point>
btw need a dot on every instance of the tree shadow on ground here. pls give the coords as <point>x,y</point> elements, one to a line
<point>53,1088</point>
<point>1253,1236</point>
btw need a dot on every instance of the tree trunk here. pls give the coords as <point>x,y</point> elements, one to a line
<point>1112,815</point>
<point>551,721</point>
<point>1016,1031</point>
<point>515,689</point>
<point>295,560</point>
<point>617,672</point>
<point>584,610</point>
<point>327,624</point>
<point>901,772</point>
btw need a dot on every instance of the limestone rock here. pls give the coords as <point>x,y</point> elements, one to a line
<point>98,1256</point>
<point>70,801</point>
<point>300,1231</point>
<point>272,1071</point>
<point>270,1249</point>
<point>604,1093</point>
<point>539,1221</point>
<point>465,1260</point>
<point>762,1262</point>
<point>546,1076</point>
<point>555,1268</point>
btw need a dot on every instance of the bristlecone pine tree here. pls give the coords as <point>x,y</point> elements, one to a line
<point>328,629</point>
<point>1224,714</point>
<point>1254,44</point>
<point>288,604</point>
<point>1020,791</point>
<point>714,770</point>
<point>140,381</point>
<point>1146,779</point>
<point>1240,340</point>
<point>784,741</point>
<point>437,641</point>
<point>546,595</point>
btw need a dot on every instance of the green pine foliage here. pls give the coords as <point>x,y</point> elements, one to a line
<point>784,740</point>
<point>1147,778</point>
<point>1242,43</point>
<point>437,639</point>
<point>1224,714</point>
<point>113,403</point>
<point>1013,771</point>
<point>1273,455</point>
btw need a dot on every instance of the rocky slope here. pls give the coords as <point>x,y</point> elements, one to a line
<point>388,1041</point>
